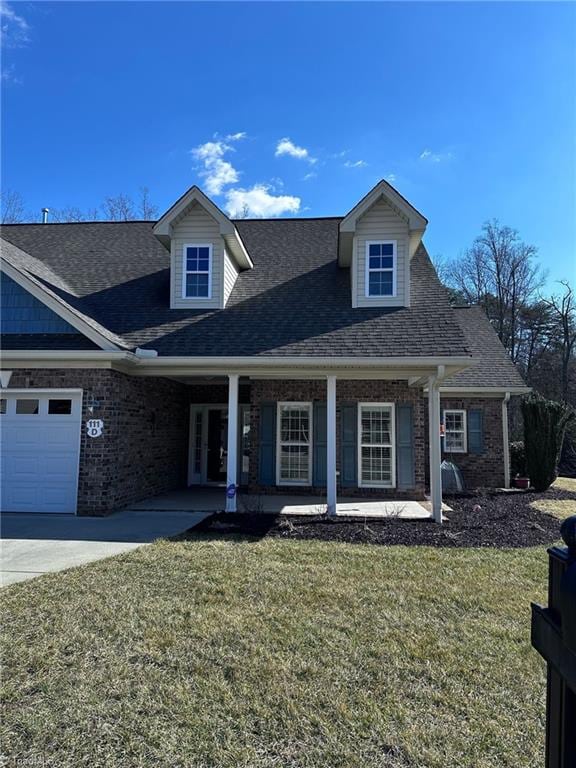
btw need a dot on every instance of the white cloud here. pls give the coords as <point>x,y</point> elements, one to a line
<point>217,173</point>
<point>236,136</point>
<point>13,27</point>
<point>435,157</point>
<point>308,176</point>
<point>391,177</point>
<point>287,147</point>
<point>8,75</point>
<point>356,164</point>
<point>259,203</point>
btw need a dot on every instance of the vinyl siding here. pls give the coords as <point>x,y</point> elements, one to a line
<point>381,222</point>
<point>230,275</point>
<point>196,226</point>
<point>22,313</point>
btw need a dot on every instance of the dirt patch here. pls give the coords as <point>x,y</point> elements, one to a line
<point>491,519</point>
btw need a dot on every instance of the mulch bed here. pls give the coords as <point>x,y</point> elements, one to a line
<point>503,520</point>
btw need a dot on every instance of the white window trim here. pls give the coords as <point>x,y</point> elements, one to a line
<point>187,272</point>
<point>392,407</point>
<point>394,270</point>
<point>465,425</point>
<point>279,407</point>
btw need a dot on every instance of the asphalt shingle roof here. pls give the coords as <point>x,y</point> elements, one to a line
<point>296,300</point>
<point>494,367</point>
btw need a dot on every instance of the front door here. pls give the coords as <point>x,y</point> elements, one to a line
<point>217,445</point>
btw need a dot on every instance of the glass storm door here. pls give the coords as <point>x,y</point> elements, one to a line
<point>217,445</point>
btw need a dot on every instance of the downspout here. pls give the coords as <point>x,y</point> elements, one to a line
<point>505,439</point>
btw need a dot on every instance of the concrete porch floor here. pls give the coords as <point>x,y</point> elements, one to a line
<point>213,500</point>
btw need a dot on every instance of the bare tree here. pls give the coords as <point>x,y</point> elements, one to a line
<point>12,207</point>
<point>70,213</point>
<point>147,210</point>
<point>563,310</point>
<point>118,208</point>
<point>498,272</point>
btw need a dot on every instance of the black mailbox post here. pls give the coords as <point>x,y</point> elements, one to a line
<point>554,637</point>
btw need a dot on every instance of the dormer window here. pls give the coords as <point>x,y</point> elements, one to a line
<point>197,283</point>
<point>381,268</point>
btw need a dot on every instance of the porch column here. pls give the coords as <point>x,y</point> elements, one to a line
<point>331,445</point>
<point>435,448</point>
<point>505,437</point>
<point>232,458</point>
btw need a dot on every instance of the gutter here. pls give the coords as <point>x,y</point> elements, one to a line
<point>289,361</point>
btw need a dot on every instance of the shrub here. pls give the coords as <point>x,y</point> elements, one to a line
<point>545,423</point>
<point>517,459</point>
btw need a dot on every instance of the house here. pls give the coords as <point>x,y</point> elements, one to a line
<point>311,355</point>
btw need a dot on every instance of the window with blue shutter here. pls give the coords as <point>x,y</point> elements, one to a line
<point>348,445</point>
<point>475,431</point>
<point>319,445</point>
<point>405,445</point>
<point>267,449</point>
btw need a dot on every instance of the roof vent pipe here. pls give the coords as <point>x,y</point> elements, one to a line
<point>45,212</point>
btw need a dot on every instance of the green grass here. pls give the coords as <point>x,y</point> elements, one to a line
<point>277,653</point>
<point>560,508</point>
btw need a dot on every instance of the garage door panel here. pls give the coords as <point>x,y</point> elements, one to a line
<point>40,458</point>
<point>22,467</point>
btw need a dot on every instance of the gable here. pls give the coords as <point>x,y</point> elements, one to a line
<point>22,313</point>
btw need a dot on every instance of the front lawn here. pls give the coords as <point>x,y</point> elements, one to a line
<point>245,654</point>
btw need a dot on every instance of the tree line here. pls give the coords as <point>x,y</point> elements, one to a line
<point>120,207</point>
<point>501,273</point>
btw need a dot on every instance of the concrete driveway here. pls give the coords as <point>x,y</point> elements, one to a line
<point>35,544</point>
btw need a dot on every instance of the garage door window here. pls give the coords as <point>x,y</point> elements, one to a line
<point>27,407</point>
<point>59,407</point>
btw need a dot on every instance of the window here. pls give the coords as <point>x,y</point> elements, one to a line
<point>455,431</point>
<point>381,268</point>
<point>294,454</point>
<point>2,405</point>
<point>29,407</point>
<point>59,407</point>
<point>245,444</point>
<point>376,452</point>
<point>197,272</point>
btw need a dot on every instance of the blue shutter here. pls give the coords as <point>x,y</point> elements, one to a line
<point>475,431</point>
<point>319,445</point>
<point>268,444</point>
<point>348,445</point>
<point>404,446</point>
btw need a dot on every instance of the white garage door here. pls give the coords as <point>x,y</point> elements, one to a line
<point>39,450</point>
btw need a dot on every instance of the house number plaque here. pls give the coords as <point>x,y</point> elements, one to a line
<point>94,427</point>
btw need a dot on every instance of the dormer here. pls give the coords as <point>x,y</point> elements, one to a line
<point>206,252</point>
<point>377,240</point>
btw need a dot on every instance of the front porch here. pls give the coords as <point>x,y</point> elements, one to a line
<point>352,445</point>
<point>201,499</point>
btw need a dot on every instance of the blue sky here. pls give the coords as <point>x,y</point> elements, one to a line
<point>469,109</point>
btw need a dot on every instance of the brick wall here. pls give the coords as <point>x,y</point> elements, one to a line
<point>487,468</point>
<point>347,391</point>
<point>143,450</point>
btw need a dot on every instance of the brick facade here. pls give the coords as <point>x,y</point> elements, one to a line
<point>486,469</point>
<point>144,446</point>
<point>143,450</point>
<point>347,391</point>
